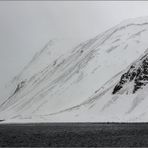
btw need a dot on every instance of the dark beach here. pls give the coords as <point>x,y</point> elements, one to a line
<point>74,134</point>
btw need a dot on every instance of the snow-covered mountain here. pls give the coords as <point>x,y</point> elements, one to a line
<point>102,79</point>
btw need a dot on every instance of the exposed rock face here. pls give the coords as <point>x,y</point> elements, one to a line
<point>138,74</point>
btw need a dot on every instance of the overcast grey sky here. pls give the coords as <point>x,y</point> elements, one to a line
<point>25,27</point>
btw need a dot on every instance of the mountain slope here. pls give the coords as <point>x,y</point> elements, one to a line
<point>83,83</point>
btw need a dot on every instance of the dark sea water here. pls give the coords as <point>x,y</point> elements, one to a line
<point>74,134</point>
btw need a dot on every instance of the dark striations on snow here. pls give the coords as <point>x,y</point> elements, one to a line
<point>19,86</point>
<point>137,73</point>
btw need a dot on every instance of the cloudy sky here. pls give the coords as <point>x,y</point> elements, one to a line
<point>25,27</point>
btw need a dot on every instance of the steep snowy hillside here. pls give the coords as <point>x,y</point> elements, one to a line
<point>102,79</point>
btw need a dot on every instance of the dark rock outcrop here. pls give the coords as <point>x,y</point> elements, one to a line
<point>138,73</point>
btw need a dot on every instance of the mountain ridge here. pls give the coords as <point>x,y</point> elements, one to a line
<point>52,87</point>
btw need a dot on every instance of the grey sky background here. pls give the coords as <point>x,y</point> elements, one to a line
<point>25,27</point>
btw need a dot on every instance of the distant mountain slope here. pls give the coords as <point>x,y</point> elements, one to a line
<point>98,80</point>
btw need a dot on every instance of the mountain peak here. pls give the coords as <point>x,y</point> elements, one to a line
<point>70,82</point>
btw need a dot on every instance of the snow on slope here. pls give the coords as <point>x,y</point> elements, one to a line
<point>77,85</point>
